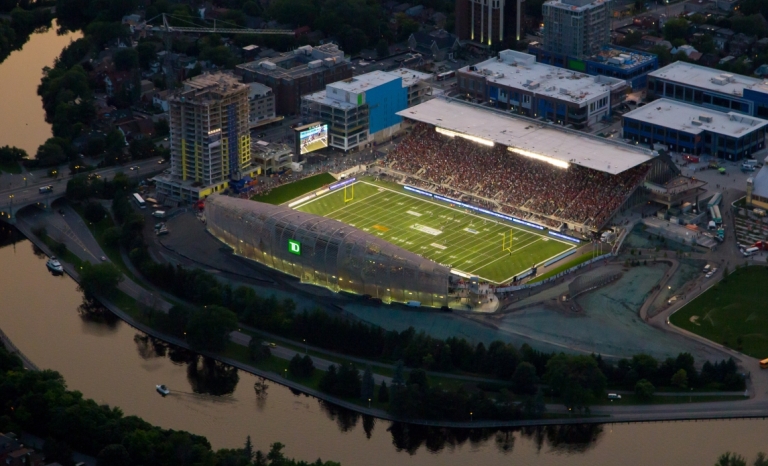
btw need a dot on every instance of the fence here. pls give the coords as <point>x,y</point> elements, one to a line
<point>565,272</point>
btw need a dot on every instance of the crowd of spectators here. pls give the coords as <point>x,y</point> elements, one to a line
<point>528,188</point>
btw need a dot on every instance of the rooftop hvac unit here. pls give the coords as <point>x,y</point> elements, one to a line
<point>268,65</point>
<point>315,64</point>
<point>705,118</point>
<point>564,91</point>
<point>534,85</point>
<point>329,62</point>
<point>719,80</point>
<point>696,123</point>
<point>550,88</point>
<point>303,50</point>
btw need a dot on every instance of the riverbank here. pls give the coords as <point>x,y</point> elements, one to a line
<point>600,414</point>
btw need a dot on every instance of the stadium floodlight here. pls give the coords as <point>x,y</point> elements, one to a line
<point>451,134</point>
<point>556,162</point>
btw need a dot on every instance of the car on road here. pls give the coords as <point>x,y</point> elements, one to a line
<point>261,135</point>
<point>103,258</point>
<point>714,269</point>
<point>135,167</point>
<point>614,396</point>
<point>709,275</point>
<point>161,161</point>
<point>45,189</point>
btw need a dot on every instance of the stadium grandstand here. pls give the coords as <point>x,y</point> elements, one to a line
<point>552,176</point>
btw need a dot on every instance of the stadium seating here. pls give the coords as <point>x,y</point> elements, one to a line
<point>521,186</point>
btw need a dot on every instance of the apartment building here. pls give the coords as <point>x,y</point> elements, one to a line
<point>576,28</point>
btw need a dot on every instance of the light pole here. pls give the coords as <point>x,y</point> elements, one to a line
<point>305,346</point>
<point>25,181</point>
<point>369,403</point>
<point>10,206</point>
<point>471,416</point>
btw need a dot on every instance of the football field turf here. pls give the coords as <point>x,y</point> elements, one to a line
<point>471,243</point>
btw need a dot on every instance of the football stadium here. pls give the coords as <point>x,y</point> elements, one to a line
<point>470,199</point>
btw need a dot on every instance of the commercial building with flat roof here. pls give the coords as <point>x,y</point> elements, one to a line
<point>363,109</point>
<point>710,88</point>
<point>261,105</point>
<point>630,65</point>
<point>576,28</point>
<point>516,82</point>
<point>681,127</point>
<point>209,137</point>
<point>300,72</point>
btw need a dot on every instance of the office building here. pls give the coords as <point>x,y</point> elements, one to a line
<point>271,157</point>
<point>209,137</point>
<point>487,22</point>
<point>363,109</point>
<point>261,105</point>
<point>686,128</point>
<point>710,88</point>
<point>616,62</point>
<point>576,28</point>
<point>516,82</point>
<point>295,74</point>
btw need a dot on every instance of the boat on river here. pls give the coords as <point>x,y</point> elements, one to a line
<point>54,265</point>
<point>162,389</point>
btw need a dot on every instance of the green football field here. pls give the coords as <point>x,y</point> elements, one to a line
<point>474,244</point>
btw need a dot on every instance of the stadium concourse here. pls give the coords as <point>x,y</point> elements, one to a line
<point>546,190</point>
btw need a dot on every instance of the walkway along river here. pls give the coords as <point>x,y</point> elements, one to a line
<point>111,362</point>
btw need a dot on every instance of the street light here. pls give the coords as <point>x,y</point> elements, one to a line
<point>471,417</point>
<point>369,402</point>
<point>305,346</point>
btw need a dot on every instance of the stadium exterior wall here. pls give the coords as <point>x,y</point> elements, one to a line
<point>330,253</point>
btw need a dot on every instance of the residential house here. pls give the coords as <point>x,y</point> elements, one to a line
<point>116,81</point>
<point>436,44</point>
<point>722,37</point>
<point>727,5</point>
<point>741,44</point>
<point>698,6</point>
<point>147,88</point>
<point>761,45</point>
<point>762,71</point>
<point>649,21</point>
<point>160,100</point>
<point>439,19</point>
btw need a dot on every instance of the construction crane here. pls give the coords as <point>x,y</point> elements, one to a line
<point>168,30</point>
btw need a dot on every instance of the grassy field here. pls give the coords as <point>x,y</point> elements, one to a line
<point>732,313</point>
<point>290,191</point>
<point>563,267</point>
<point>450,236</point>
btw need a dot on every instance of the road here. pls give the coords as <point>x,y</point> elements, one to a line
<point>14,191</point>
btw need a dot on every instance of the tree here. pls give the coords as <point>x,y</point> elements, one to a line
<point>367,386</point>
<point>10,155</point>
<point>94,212</point>
<point>524,379</point>
<point>382,48</point>
<point>126,59</point>
<point>419,378</point>
<point>57,451</point>
<point>383,393</point>
<point>257,350</point>
<point>209,328</point>
<point>676,28</point>
<point>248,449</point>
<point>141,149</point>
<point>680,379</point>
<point>398,378</point>
<point>644,390</point>
<point>50,154</point>
<point>100,279</point>
<point>162,128</point>
<point>752,25</point>
<point>113,455</point>
<point>147,54</point>
<point>577,380</point>
<point>301,366</point>
<point>731,459</point>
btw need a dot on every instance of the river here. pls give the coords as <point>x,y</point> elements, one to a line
<point>112,363</point>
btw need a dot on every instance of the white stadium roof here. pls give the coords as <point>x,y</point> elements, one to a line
<point>532,137</point>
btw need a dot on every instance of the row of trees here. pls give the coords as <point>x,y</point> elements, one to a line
<point>39,403</point>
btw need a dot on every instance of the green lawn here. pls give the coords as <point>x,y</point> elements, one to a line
<point>14,168</point>
<point>563,267</point>
<point>732,313</point>
<point>467,242</point>
<point>296,189</point>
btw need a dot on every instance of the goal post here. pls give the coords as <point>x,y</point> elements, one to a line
<point>349,193</point>
<point>506,243</point>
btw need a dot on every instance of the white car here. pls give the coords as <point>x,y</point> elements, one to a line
<point>709,275</point>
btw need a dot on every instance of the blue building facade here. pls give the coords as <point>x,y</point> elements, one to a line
<point>709,88</point>
<point>616,62</point>
<point>384,101</point>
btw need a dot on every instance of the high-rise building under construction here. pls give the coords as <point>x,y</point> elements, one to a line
<point>209,139</point>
